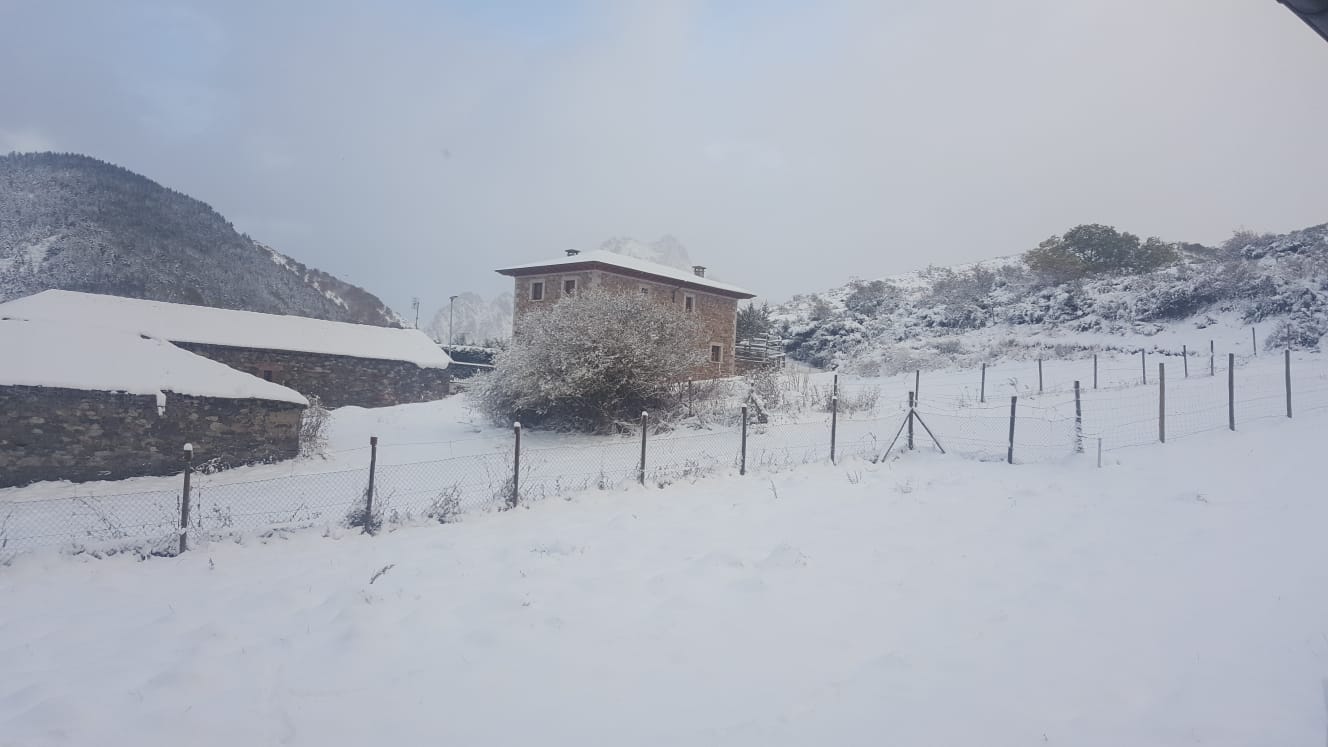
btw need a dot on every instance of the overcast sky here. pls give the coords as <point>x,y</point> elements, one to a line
<point>412,147</point>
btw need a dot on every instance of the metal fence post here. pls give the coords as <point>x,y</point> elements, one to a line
<point>1143,364</point>
<point>369,493</point>
<point>1009,456</point>
<point>690,398</point>
<point>834,422</point>
<point>641,477</point>
<point>1078,422</point>
<point>1039,375</point>
<point>982,390</point>
<point>1254,341</point>
<point>1185,360</point>
<point>516,466</point>
<point>1231,391</point>
<point>742,463</point>
<point>1162,402</point>
<point>917,384</point>
<point>1095,370</point>
<point>184,497</point>
<point>1212,359</point>
<point>1288,381</point>
<point>912,401</point>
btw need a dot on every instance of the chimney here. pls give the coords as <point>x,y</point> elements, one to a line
<point>699,270</point>
<point>573,252</point>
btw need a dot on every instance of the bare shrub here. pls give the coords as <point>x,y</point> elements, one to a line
<point>313,428</point>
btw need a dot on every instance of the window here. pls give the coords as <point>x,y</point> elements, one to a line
<point>716,353</point>
<point>537,290</point>
<point>569,286</point>
<point>689,303</point>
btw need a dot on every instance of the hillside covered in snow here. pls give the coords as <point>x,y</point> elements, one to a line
<point>1000,308</point>
<point>71,222</point>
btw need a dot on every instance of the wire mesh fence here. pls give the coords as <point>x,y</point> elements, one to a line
<point>1032,426</point>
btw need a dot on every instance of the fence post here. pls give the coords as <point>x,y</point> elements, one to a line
<point>1095,370</point>
<point>917,383</point>
<point>1254,341</point>
<point>516,466</point>
<point>1078,422</point>
<point>1185,359</point>
<point>982,391</point>
<point>1231,391</point>
<point>1162,402</point>
<point>834,418</point>
<point>641,477</point>
<point>1143,364</point>
<point>1009,457</point>
<point>912,401</point>
<point>184,497</point>
<point>1039,375</point>
<point>369,493</point>
<point>742,462</point>
<point>1212,359</point>
<point>689,398</point>
<point>1288,380</point>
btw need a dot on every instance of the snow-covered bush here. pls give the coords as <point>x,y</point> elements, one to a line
<point>592,361</point>
<point>313,428</point>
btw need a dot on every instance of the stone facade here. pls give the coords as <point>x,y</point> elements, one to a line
<point>337,380</point>
<point>718,313</point>
<point>49,433</point>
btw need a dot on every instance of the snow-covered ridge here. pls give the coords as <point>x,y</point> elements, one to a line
<point>993,309</point>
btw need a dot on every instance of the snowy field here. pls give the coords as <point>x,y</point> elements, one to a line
<point>433,451</point>
<point>1172,597</point>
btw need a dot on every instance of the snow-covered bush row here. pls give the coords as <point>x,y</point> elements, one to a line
<point>968,314</point>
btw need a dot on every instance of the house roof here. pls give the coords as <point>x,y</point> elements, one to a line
<point>242,329</point>
<point>600,259</point>
<point>80,356</point>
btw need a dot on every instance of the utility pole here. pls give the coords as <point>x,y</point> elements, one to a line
<point>415,304</point>
<point>451,307</point>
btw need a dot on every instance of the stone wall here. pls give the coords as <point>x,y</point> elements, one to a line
<point>68,434</point>
<point>337,380</point>
<point>718,314</point>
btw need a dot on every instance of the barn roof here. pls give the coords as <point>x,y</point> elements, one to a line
<point>69,356</point>
<point>612,261</point>
<point>242,329</point>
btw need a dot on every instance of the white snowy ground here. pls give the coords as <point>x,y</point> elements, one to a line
<point>1174,597</point>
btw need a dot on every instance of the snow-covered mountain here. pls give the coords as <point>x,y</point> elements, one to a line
<point>473,319</point>
<point>666,250</point>
<point>75,223</point>
<point>981,312</point>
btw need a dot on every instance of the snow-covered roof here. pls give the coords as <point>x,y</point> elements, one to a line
<point>79,356</point>
<point>631,264</point>
<point>243,329</point>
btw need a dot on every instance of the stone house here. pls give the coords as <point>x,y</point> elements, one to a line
<point>341,364</point>
<point>82,403</point>
<point>692,292</point>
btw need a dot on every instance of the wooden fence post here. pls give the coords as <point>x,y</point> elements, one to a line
<point>369,492</point>
<point>515,498</point>
<point>982,389</point>
<point>1185,359</point>
<point>641,477</point>
<point>184,497</point>
<point>912,402</point>
<point>1009,456</point>
<point>1162,402</point>
<point>1254,341</point>
<point>1143,364</point>
<point>834,424</point>
<point>1078,421</point>
<point>1288,381</point>
<point>1039,375</point>
<point>1231,391</point>
<point>742,463</point>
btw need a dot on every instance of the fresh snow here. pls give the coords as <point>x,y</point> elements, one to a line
<point>635,264</point>
<point>1174,597</point>
<point>49,354</point>
<point>213,326</point>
